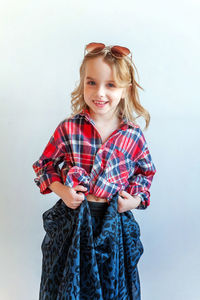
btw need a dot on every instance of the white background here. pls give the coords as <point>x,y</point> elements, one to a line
<point>42,45</point>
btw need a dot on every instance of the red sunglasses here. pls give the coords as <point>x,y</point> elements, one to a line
<point>117,51</point>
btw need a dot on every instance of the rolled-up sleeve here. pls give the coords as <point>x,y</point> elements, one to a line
<point>47,166</point>
<point>140,182</point>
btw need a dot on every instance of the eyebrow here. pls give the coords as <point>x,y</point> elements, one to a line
<point>88,77</point>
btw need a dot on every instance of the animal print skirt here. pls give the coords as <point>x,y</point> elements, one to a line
<point>89,255</point>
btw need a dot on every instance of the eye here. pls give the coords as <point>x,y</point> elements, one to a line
<point>111,85</point>
<point>90,82</point>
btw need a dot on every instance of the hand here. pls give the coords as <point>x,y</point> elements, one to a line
<point>73,197</point>
<point>127,202</point>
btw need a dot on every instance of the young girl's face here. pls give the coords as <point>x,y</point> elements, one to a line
<point>101,93</point>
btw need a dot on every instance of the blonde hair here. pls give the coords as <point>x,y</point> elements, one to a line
<point>124,75</point>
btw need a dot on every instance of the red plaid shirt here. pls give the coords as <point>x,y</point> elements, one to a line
<point>123,162</point>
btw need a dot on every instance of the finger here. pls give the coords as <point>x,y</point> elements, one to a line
<point>80,197</point>
<point>80,188</point>
<point>77,203</point>
<point>120,199</point>
<point>124,194</point>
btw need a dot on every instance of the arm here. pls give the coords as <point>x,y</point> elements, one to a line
<point>140,181</point>
<point>47,167</point>
<point>58,188</point>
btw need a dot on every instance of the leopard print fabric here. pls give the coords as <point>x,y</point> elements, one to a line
<point>87,257</point>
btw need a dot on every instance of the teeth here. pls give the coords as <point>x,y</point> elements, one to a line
<point>98,102</point>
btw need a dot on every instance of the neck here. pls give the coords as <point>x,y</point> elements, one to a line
<point>102,119</point>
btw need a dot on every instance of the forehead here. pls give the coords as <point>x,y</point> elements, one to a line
<point>99,69</point>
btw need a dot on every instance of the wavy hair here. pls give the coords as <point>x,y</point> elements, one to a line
<point>124,75</point>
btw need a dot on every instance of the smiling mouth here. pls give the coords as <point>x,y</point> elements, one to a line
<point>100,102</point>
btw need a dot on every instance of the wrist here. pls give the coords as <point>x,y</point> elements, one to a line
<point>137,201</point>
<point>58,188</point>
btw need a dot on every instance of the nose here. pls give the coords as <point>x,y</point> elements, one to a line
<point>100,91</point>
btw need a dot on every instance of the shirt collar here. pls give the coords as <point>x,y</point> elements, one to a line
<point>85,112</point>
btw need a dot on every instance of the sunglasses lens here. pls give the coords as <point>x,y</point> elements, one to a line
<point>95,47</point>
<point>119,51</point>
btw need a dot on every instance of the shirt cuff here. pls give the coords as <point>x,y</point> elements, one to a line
<point>44,182</point>
<point>143,204</point>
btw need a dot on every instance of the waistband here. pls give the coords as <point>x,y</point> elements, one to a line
<point>97,208</point>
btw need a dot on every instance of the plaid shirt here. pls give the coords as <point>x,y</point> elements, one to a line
<point>123,162</point>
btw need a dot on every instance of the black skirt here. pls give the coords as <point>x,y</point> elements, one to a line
<point>90,253</point>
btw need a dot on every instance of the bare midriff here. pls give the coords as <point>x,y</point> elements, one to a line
<point>93,198</point>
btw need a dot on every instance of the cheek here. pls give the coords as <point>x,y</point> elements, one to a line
<point>86,91</point>
<point>117,95</point>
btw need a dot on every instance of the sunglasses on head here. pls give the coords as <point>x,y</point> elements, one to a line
<point>117,51</point>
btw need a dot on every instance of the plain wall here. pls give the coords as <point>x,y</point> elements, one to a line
<point>42,46</point>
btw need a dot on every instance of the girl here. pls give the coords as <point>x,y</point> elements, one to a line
<point>92,243</point>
